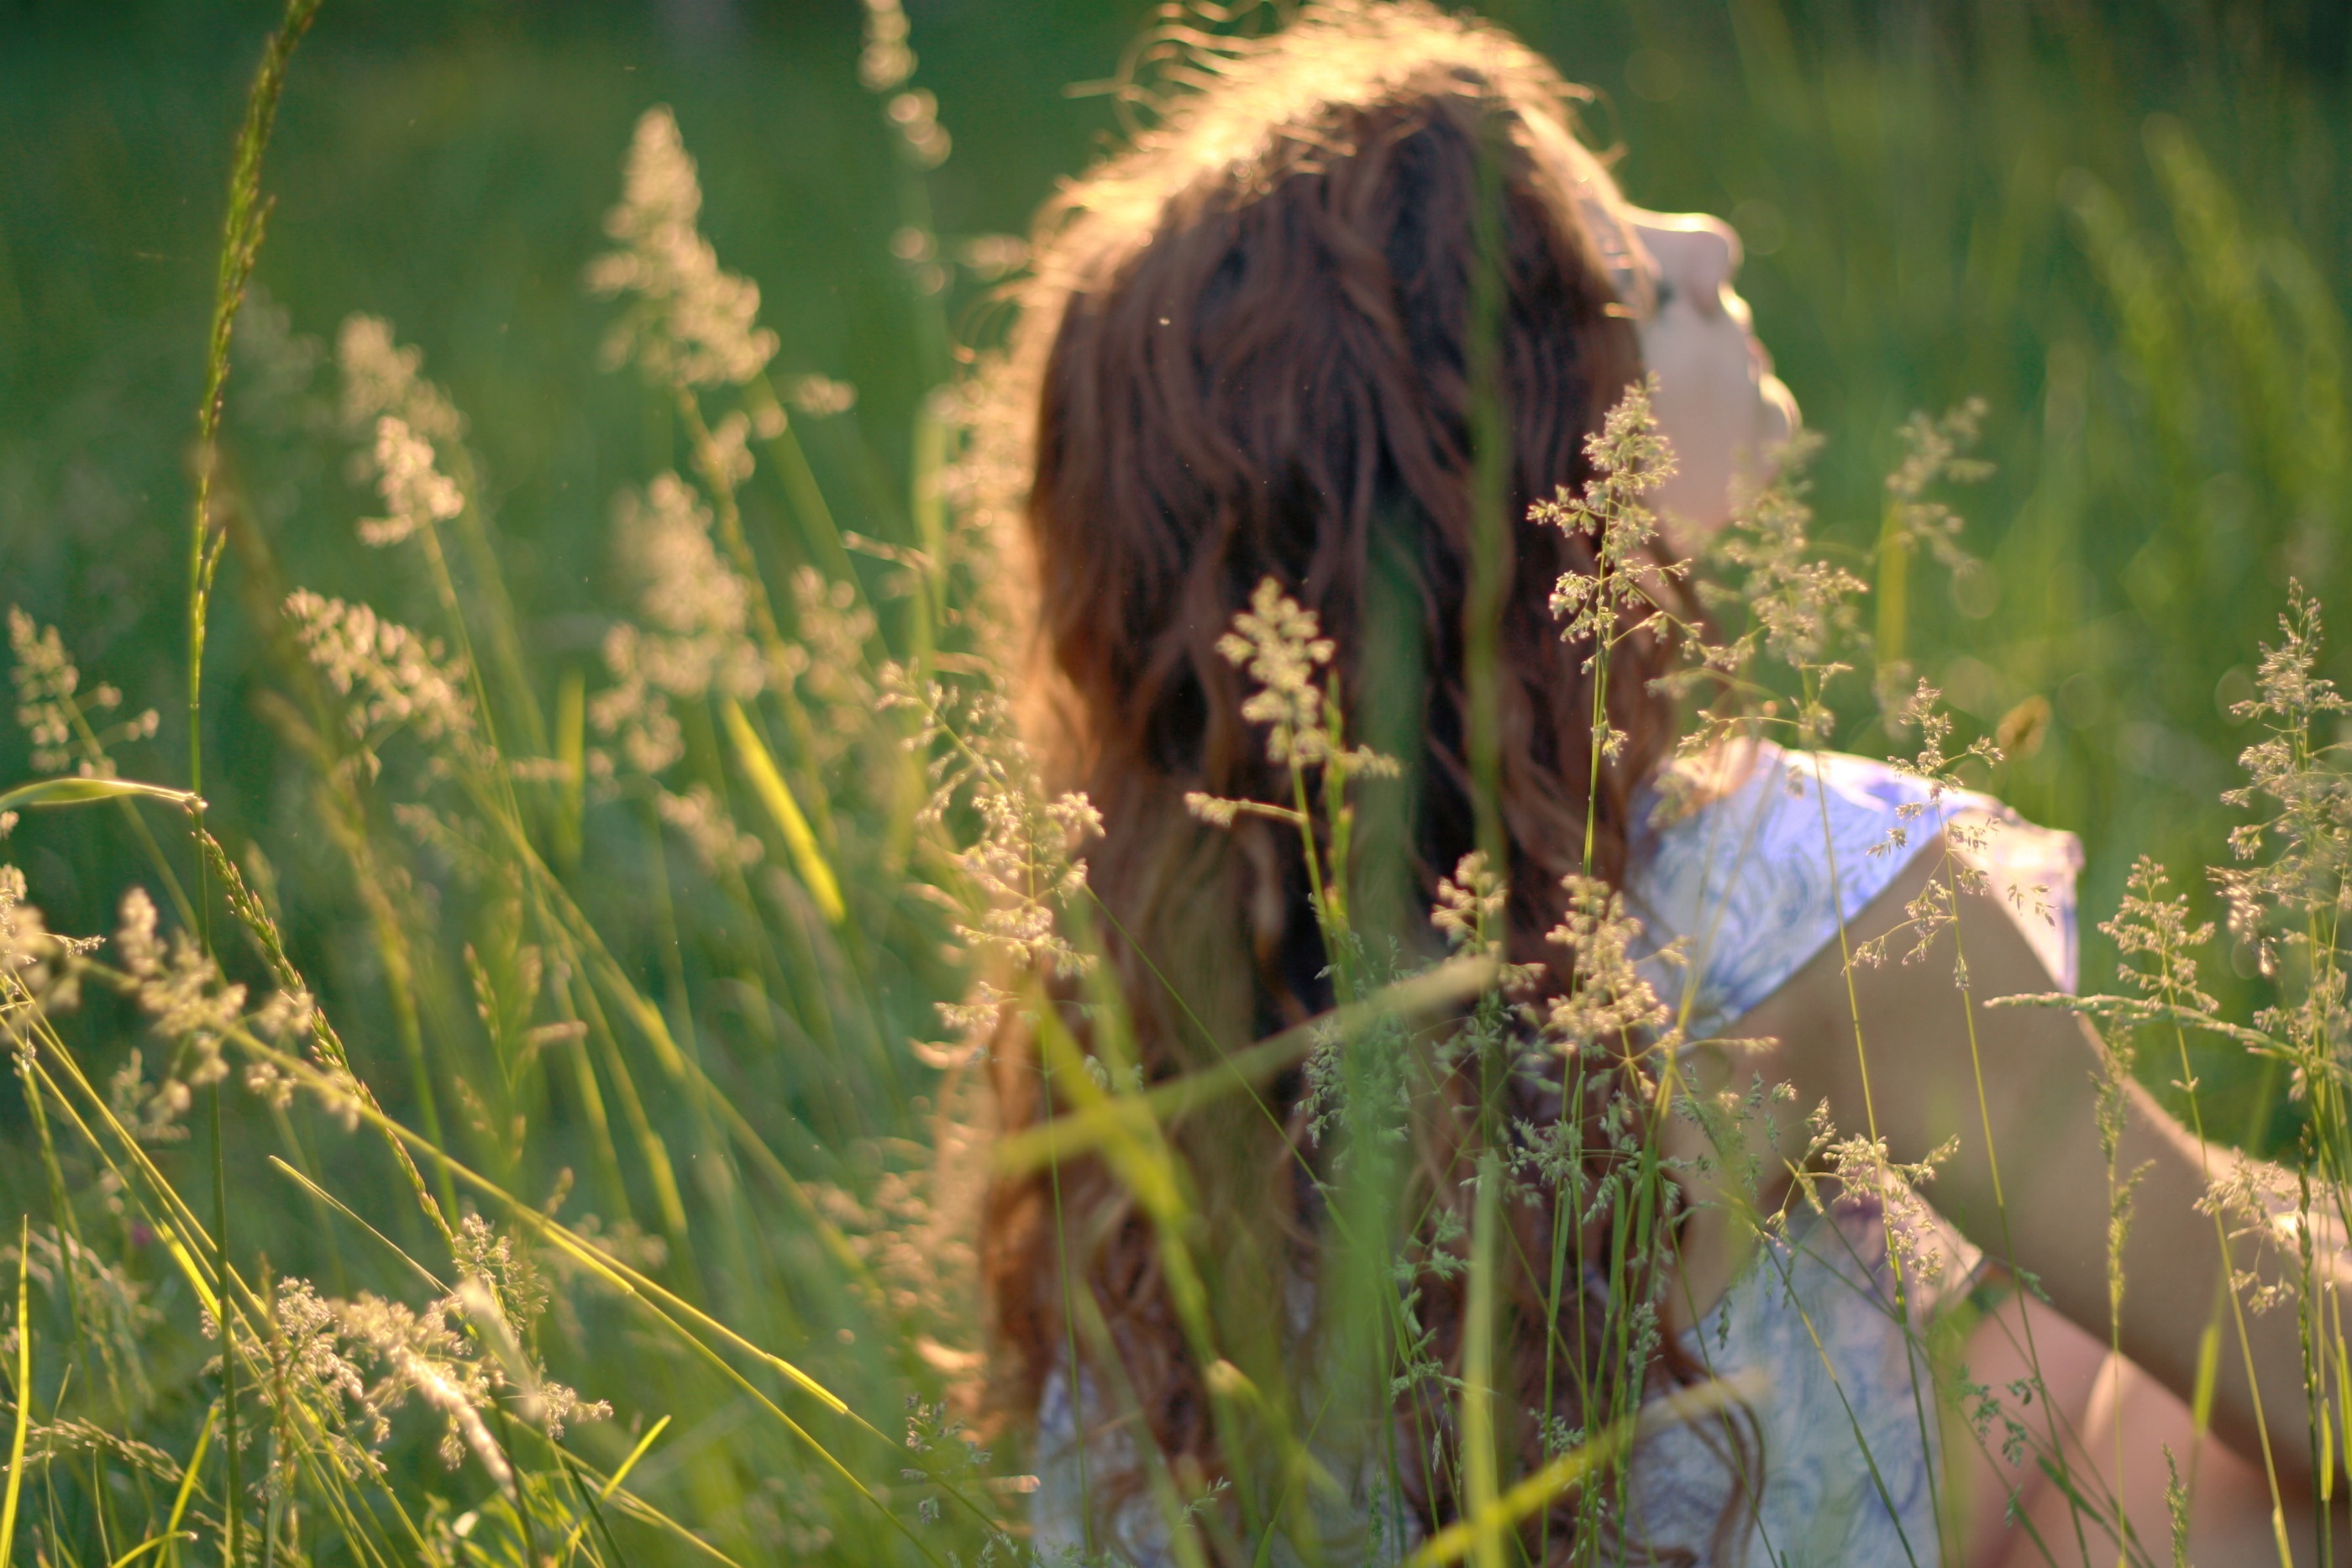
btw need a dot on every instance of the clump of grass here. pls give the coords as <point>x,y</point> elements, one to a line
<point>538,1056</point>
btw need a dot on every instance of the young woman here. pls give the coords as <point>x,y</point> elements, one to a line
<point>1257,346</point>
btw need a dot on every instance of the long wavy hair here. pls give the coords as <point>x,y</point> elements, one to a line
<point>1244,351</point>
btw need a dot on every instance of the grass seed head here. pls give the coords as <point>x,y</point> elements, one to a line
<point>692,323</point>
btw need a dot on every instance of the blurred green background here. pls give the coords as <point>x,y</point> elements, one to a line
<point>2124,226</point>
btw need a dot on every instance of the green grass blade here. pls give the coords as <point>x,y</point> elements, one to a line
<point>74,791</point>
<point>1101,1119</point>
<point>613,1483</point>
<point>768,783</point>
<point>571,754</point>
<point>188,1485</point>
<point>152,1543</point>
<point>241,231</point>
<point>644,1512</point>
<point>1455,1542</point>
<point>340,1206</point>
<point>1478,1459</point>
<point>23,1394</point>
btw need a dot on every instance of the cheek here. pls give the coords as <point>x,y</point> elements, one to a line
<point>1706,400</point>
<point>1708,408</point>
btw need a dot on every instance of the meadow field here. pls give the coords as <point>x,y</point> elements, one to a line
<point>520,1015</point>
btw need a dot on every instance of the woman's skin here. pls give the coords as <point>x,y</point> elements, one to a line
<point>1894,1055</point>
<point>1898,1052</point>
<point>1724,412</point>
<point>1722,409</point>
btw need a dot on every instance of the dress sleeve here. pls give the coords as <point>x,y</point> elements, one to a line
<point>1786,848</point>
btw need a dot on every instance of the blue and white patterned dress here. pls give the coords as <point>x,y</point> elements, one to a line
<point>1780,851</point>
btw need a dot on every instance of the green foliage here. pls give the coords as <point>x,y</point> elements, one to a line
<point>562,927</point>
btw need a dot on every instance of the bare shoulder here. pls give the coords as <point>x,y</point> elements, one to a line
<point>1886,1015</point>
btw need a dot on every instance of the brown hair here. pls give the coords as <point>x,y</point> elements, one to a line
<point>1243,352</point>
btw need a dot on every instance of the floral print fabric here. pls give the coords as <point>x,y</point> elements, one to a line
<point>1785,848</point>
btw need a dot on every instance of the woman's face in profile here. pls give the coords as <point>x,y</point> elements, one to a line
<point>1726,415</point>
<point>1718,402</point>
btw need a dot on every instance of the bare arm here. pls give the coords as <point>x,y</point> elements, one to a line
<point>1915,1077</point>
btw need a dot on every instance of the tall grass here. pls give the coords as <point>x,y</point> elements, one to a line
<point>530,1133</point>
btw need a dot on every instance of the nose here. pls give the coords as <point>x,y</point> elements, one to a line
<point>1698,256</point>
